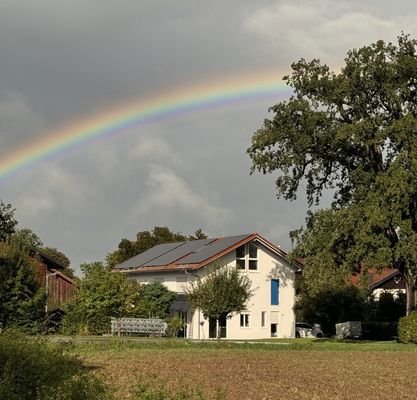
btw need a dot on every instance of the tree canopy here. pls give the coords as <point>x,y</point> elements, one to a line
<point>155,300</point>
<point>22,300</point>
<point>146,240</point>
<point>101,294</point>
<point>221,293</point>
<point>353,133</point>
<point>7,221</point>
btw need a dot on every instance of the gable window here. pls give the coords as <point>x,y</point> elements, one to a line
<point>244,320</point>
<point>274,292</point>
<point>247,257</point>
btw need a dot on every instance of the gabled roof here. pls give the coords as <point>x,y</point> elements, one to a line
<point>376,279</point>
<point>192,254</point>
<point>47,258</point>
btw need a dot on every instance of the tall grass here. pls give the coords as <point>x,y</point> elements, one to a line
<point>34,369</point>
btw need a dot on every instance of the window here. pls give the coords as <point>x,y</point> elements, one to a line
<point>263,317</point>
<point>247,257</point>
<point>244,320</point>
<point>274,292</point>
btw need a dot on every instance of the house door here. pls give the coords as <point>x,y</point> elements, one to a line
<point>182,315</point>
<point>213,328</point>
<point>274,323</point>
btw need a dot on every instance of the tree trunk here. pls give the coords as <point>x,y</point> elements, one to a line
<point>410,295</point>
<point>218,329</point>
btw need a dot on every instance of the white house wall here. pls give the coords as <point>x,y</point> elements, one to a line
<point>270,266</point>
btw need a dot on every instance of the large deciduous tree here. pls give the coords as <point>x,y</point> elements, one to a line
<point>354,133</point>
<point>220,294</point>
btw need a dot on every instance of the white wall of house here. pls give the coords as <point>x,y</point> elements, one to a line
<point>261,319</point>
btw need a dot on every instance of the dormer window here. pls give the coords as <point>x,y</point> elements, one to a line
<point>247,257</point>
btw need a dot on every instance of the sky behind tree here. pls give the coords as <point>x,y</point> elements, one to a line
<point>65,61</point>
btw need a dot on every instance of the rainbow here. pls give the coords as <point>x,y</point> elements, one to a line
<point>261,85</point>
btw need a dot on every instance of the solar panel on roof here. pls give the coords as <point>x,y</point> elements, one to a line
<point>212,249</point>
<point>179,252</point>
<point>148,255</point>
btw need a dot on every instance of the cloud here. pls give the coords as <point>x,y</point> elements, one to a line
<point>53,190</point>
<point>154,149</point>
<point>169,193</point>
<point>324,28</point>
<point>18,120</point>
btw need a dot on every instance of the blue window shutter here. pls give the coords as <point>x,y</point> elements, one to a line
<point>274,291</point>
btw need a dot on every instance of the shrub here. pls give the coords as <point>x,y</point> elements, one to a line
<point>34,369</point>
<point>407,329</point>
<point>175,325</point>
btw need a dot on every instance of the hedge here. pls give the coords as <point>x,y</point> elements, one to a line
<point>407,329</point>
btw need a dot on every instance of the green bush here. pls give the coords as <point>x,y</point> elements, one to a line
<point>407,329</point>
<point>35,369</point>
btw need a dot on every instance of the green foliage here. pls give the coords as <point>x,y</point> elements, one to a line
<point>101,295</point>
<point>57,255</point>
<point>154,300</point>
<point>146,240</point>
<point>33,369</point>
<point>221,293</point>
<point>387,308</point>
<point>352,132</point>
<point>22,301</point>
<point>60,258</point>
<point>7,221</point>
<point>175,324</point>
<point>407,329</point>
<point>27,239</point>
<point>330,306</point>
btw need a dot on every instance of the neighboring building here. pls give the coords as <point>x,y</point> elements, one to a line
<point>270,311</point>
<point>58,286</point>
<point>387,280</point>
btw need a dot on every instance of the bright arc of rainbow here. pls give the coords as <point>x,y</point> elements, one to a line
<point>261,85</point>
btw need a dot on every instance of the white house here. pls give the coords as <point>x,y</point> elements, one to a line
<point>270,311</point>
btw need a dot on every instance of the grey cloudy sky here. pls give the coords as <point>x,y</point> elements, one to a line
<point>62,61</point>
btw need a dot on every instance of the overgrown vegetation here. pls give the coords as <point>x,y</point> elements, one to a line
<point>103,294</point>
<point>22,295</point>
<point>22,300</point>
<point>33,369</point>
<point>100,295</point>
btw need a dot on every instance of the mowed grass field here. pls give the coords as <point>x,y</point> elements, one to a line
<point>290,369</point>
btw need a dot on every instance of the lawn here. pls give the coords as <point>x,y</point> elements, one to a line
<point>285,369</point>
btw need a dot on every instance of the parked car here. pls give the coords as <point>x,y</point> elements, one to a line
<point>304,330</point>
